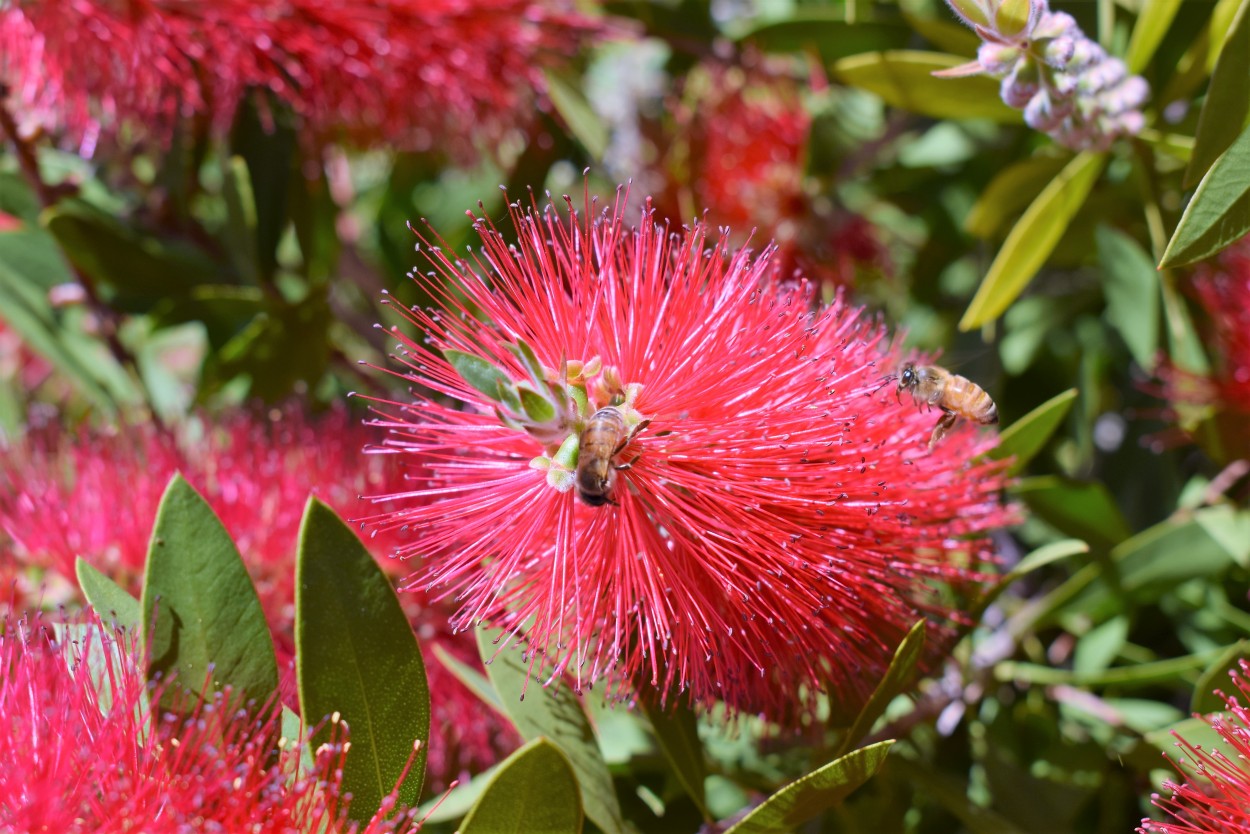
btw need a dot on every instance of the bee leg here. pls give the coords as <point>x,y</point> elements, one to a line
<point>942,427</point>
<point>620,467</point>
<point>620,447</point>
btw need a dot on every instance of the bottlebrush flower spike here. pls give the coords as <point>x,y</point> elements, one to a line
<point>408,72</point>
<point>1067,85</point>
<point>95,495</point>
<point>1220,802</point>
<point>83,751</point>
<point>781,524</point>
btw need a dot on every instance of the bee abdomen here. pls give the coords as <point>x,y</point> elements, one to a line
<point>981,407</point>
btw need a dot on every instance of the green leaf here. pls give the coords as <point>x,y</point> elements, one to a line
<point>529,360</point>
<point>1229,527</point>
<point>133,270</point>
<point>1152,24</point>
<point>1009,193</point>
<point>817,792</point>
<point>893,683</point>
<point>284,346</point>
<point>1024,438</point>
<point>1032,239</point>
<point>537,407</point>
<point>200,610</point>
<point>677,734</point>
<point>553,711</point>
<point>110,601</point>
<point>472,679</point>
<point>953,38</point>
<point>1219,211</point>
<point>1194,730</point>
<point>1044,555</point>
<point>582,120</point>
<point>1226,107</point>
<point>357,656</point>
<point>239,232</point>
<point>533,790</point>
<point>1098,648</point>
<point>904,79</point>
<point>828,33</point>
<point>25,308</point>
<point>1086,511</point>
<point>481,375</point>
<point>264,137</point>
<point>1204,699</point>
<point>1132,290</point>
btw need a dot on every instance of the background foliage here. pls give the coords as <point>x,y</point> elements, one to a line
<point>171,278</point>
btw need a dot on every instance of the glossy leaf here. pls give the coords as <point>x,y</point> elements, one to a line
<point>533,790</point>
<point>677,734</point>
<point>553,711</point>
<point>905,79</point>
<point>1009,193</point>
<point>827,33</point>
<point>200,610</point>
<point>1219,211</point>
<point>1086,511</point>
<point>950,37</point>
<point>897,678</point>
<point>240,227</point>
<point>472,679</point>
<point>1204,699</point>
<point>582,120</point>
<point>1131,286</point>
<point>110,601</point>
<point>1032,239</point>
<point>1152,24</point>
<point>1024,438</point>
<point>817,792</point>
<point>357,656</point>
<point>1226,107</point>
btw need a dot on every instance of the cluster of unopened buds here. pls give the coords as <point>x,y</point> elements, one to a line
<point>1067,85</point>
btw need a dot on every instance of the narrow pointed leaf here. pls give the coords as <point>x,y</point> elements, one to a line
<point>825,32</point>
<point>1226,107</point>
<point>110,601</point>
<point>1219,211</point>
<point>553,711</point>
<point>904,79</point>
<point>677,733</point>
<point>200,609</point>
<point>1152,24</point>
<point>481,375</point>
<point>473,680</point>
<point>1024,438</point>
<point>1132,289</point>
<point>1085,511</point>
<point>892,684</point>
<point>522,351</point>
<point>1032,239</point>
<point>582,120</point>
<point>357,656</point>
<point>817,792</point>
<point>1044,555</point>
<point>533,790</point>
<point>1009,193</point>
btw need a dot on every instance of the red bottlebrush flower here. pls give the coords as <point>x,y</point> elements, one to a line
<point>83,751</point>
<point>1223,287</point>
<point>743,147</point>
<point>782,521</point>
<point>1219,803</point>
<point>95,495</point>
<point>400,72</point>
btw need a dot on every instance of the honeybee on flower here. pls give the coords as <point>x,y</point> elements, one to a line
<point>775,534</point>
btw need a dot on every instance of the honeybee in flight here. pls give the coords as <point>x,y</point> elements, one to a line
<point>955,395</point>
<point>604,437</point>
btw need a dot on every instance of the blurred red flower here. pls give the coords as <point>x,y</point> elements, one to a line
<point>741,154</point>
<point>1218,801</point>
<point>1223,287</point>
<point>96,494</point>
<point>84,752</point>
<point>783,524</point>
<point>409,72</point>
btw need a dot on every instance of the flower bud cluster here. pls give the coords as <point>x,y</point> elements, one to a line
<point>1067,85</point>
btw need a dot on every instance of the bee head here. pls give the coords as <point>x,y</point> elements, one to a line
<point>906,379</point>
